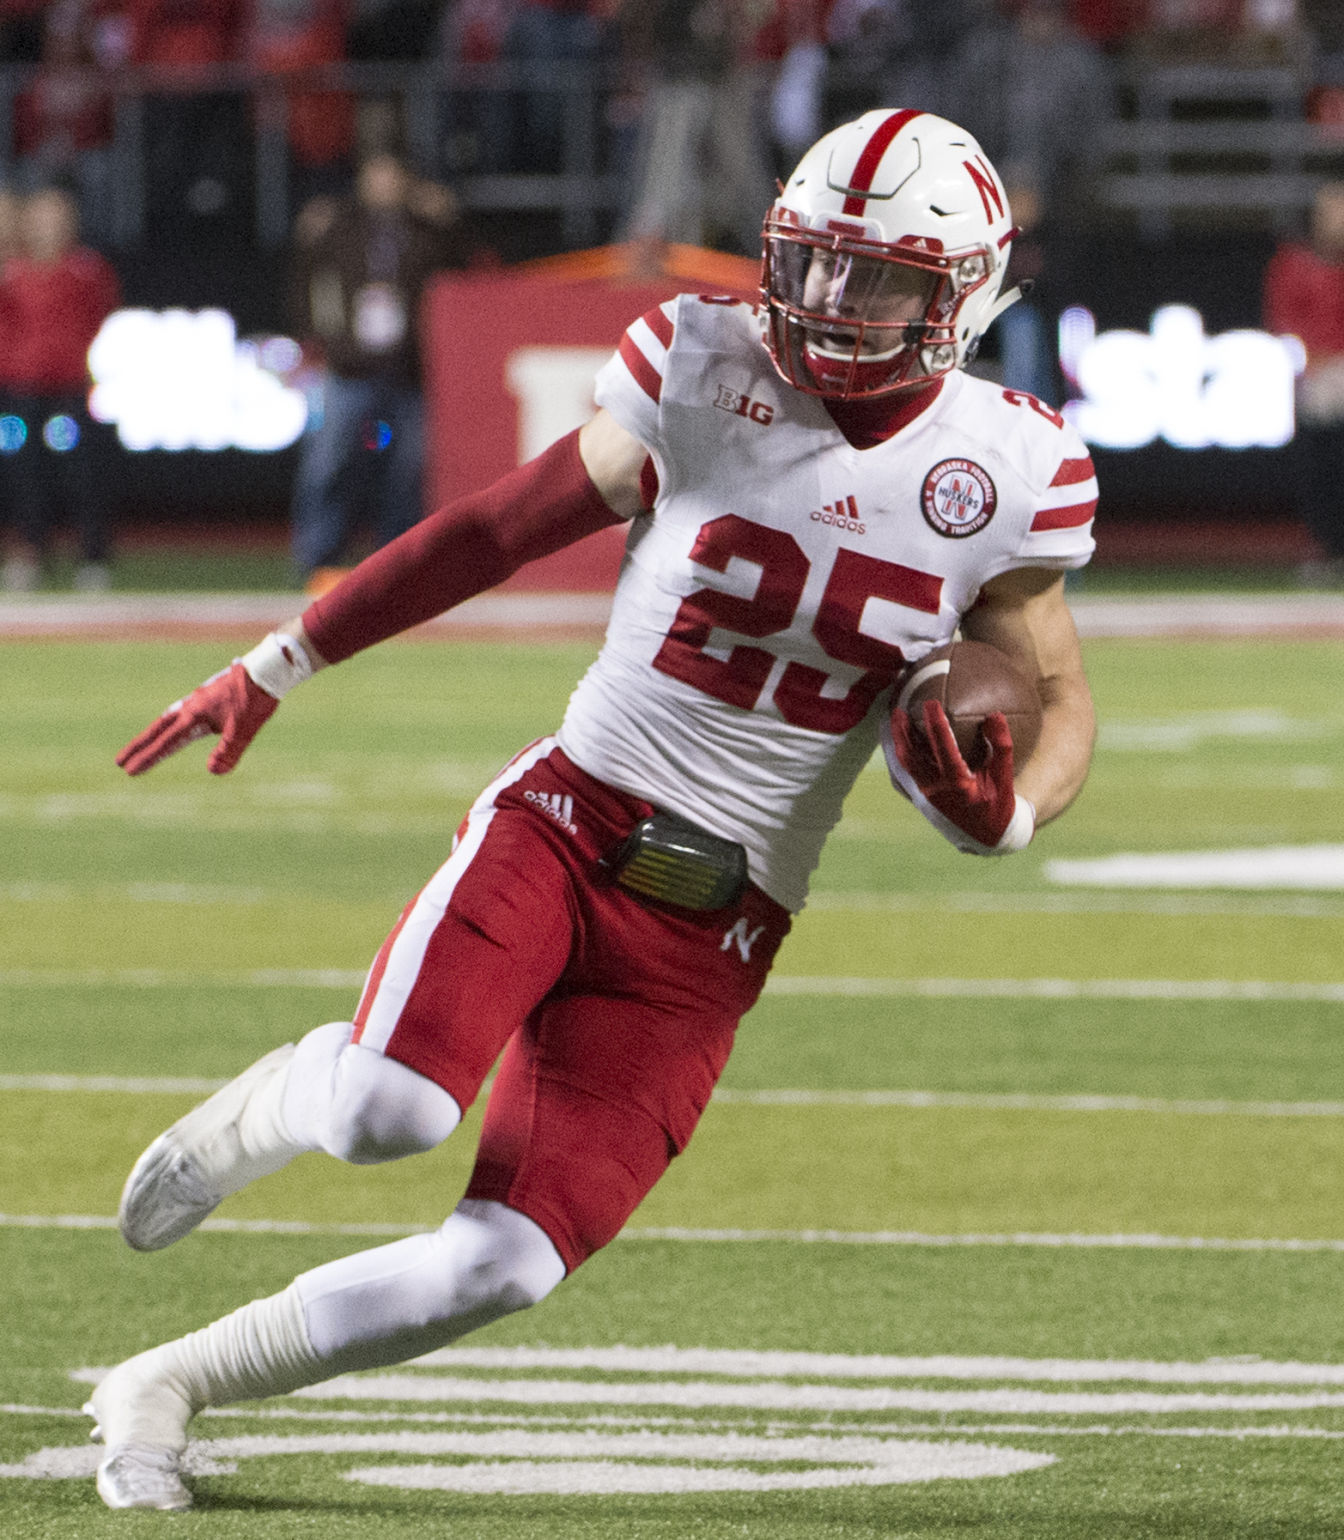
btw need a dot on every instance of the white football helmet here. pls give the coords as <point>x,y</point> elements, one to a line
<point>883,256</point>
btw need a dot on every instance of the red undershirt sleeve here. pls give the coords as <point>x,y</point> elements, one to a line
<point>470,545</point>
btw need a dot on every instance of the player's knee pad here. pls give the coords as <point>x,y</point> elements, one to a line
<point>360,1106</point>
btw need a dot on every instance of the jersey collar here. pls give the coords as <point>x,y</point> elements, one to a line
<point>867,423</point>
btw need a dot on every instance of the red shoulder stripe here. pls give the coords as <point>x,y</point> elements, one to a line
<point>1064,518</point>
<point>659,324</point>
<point>646,376</point>
<point>1071,472</point>
<point>865,168</point>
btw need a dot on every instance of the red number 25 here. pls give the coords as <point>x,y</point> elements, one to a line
<point>741,677</point>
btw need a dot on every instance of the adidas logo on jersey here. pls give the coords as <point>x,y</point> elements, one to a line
<point>555,805</point>
<point>843,515</point>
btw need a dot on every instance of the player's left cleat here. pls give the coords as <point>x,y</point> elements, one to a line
<point>192,1167</point>
<point>139,1476</point>
<point>142,1418</point>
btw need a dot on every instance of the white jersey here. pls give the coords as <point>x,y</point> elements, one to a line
<point>783,577</point>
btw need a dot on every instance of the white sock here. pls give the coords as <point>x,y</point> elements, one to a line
<point>263,1135</point>
<point>260,1350</point>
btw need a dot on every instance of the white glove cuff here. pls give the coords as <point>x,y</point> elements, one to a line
<point>1017,836</point>
<point>277,664</point>
<point>1021,827</point>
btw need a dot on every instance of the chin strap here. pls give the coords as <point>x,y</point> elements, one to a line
<point>1006,301</point>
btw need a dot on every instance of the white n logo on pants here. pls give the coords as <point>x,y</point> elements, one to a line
<point>745,938</point>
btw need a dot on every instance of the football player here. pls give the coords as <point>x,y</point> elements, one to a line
<point>816,494</point>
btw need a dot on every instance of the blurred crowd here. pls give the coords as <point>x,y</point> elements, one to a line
<point>55,294</point>
<point>361,264</point>
<point>1303,297</point>
<point>703,103</point>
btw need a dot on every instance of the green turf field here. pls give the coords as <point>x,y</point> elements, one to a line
<point>1019,1214</point>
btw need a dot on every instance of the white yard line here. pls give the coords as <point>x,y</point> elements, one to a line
<point>1269,991</point>
<point>991,1101</point>
<point>746,1363</point>
<point>825,901</point>
<point>123,1085</point>
<point>1066,1242</point>
<point>191,893</point>
<point>226,1226</point>
<point>733,1236</point>
<point>778,1395</point>
<point>1023,1101</point>
<point>1222,905</point>
<point>175,978</point>
<point>828,1426</point>
<point>1286,867</point>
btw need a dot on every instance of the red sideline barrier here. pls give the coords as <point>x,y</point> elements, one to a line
<point>510,361</point>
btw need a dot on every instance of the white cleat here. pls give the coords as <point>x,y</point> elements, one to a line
<point>191,1168</point>
<point>140,1476</point>
<point>143,1421</point>
<point>165,1197</point>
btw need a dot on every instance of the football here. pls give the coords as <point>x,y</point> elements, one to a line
<point>971,680</point>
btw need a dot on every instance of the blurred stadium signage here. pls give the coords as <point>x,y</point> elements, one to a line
<point>182,379</point>
<point>553,387</point>
<point>530,378</point>
<point>1176,383</point>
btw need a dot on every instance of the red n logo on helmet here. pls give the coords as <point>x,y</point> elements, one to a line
<point>985,185</point>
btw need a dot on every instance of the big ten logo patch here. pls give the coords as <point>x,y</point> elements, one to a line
<point>743,406</point>
<point>958,498</point>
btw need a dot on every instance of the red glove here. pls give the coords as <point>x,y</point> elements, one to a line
<point>230,703</point>
<point>977,810</point>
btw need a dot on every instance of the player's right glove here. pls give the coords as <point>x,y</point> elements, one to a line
<point>235,703</point>
<point>976,810</point>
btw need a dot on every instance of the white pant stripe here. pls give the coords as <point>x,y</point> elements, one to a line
<point>408,950</point>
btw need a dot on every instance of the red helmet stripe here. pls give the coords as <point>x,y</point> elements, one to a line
<point>866,167</point>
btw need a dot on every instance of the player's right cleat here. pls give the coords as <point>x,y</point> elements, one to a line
<point>192,1167</point>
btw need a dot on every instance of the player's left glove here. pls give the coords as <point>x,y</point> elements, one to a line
<point>977,810</point>
<point>235,703</point>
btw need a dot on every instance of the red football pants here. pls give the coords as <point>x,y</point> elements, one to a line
<point>615,1017</point>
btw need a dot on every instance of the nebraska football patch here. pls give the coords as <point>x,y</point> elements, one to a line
<point>958,498</point>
